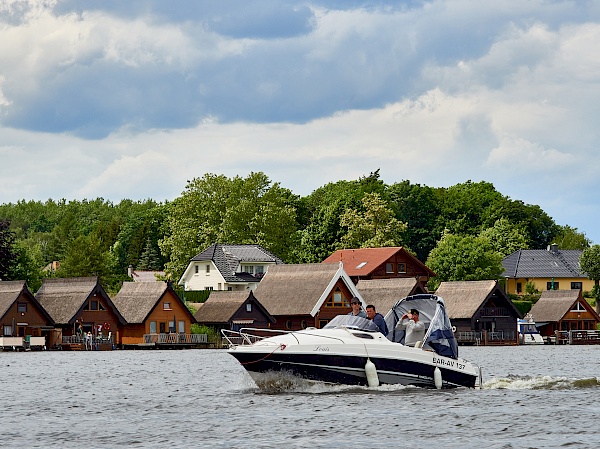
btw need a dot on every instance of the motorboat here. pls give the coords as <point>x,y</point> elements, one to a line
<point>351,350</point>
<point>528,331</point>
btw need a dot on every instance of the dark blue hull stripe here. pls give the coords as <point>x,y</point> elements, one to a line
<point>350,370</point>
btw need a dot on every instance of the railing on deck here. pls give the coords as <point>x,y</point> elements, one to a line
<point>76,339</point>
<point>165,339</point>
<point>483,337</point>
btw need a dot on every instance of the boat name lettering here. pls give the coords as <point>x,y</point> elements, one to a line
<point>321,348</point>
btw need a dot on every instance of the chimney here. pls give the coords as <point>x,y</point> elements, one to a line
<point>130,271</point>
<point>553,248</point>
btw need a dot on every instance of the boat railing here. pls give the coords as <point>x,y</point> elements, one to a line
<point>249,336</point>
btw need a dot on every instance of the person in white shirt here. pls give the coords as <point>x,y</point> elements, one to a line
<point>415,329</point>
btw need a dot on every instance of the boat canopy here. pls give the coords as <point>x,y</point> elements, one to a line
<point>352,321</point>
<point>432,312</point>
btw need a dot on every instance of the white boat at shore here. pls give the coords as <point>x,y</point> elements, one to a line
<point>528,332</point>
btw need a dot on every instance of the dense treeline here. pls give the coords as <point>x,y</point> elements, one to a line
<point>461,232</point>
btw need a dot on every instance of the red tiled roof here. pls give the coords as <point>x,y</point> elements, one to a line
<point>362,261</point>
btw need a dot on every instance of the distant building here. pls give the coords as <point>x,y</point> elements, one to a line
<point>384,293</point>
<point>233,310</point>
<point>549,269</point>
<point>381,263</point>
<point>228,267</point>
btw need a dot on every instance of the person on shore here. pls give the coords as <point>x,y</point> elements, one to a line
<point>377,318</point>
<point>355,304</point>
<point>415,329</point>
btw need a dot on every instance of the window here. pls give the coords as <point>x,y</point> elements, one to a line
<point>578,308</point>
<point>7,330</point>
<point>229,289</point>
<point>162,328</point>
<point>101,306</point>
<point>248,307</point>
<point>93,305</point>
<point>208,288</point>
<point>182,327</point>
<point>360,265</point>
<point>303,324</point>
<point>389,267</point>
<point>153,327</point>
<point>323,323</point>
<point>288,324</point>
<point>337,299</point>
<point>166,306</point>
<point>249,269</point>
<point>401,268</point>
<point>576,285</point>
<point>172,327</point>
<point>21,307</point>
<point>519,287</point>
<point>549,285</point>
<point>197,268</point>
<point>207,269</point>
<point>260,269</point>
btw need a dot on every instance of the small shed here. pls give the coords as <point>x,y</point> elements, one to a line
<point>305,295</point>
<point>78,306</point>
<point>384,293</point>
<point>151,308</point>
<point>480,311</point>
<point>233,310</point>
<point>22,318</point>
<point>563,310</point>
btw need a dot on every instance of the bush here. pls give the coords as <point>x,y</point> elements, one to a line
<point>214,336</point>
<point>523,306</point>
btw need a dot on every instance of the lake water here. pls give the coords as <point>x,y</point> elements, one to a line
<point>532,397</point>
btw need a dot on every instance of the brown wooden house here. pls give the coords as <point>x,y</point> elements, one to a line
<point>380,263</point>
<point>563,310</point>
<point>233,310</point>
<point>152,308</point>
<point>384,293</point>
<point>305,295</point>
<point>22,317</point>
<point>481,311</point>
<point>80,305</point>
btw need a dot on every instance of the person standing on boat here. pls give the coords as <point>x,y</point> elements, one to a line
<point>355,303</point>
<point>377,318</point>
<point>415,329</point>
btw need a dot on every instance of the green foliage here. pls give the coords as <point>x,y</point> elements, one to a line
<point>531,289</point>
<point>505,237</point>
<point>523,306</point>
<point>213,335</point>
<point>216,209</point>
<point>458,258</point>
<point>7,251</point>
<point>372,227</point>
<point>570,238</point>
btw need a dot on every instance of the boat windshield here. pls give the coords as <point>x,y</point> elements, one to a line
<point>528,328</point>
<point>352,321</point>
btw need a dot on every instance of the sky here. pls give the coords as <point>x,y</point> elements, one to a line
<point>114,99</point>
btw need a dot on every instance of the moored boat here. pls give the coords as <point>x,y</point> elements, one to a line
<point>528,331</point>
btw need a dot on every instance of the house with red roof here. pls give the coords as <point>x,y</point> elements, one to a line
<point>381,263</point>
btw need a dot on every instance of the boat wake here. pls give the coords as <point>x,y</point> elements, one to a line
<point>513,382</point>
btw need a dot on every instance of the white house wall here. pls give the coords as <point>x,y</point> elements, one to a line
<point>203,280</point>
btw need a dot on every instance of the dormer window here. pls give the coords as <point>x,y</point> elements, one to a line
<point>248,307</point>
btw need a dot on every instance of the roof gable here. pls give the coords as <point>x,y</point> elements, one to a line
<point>222,306</point>
<point>300,289</point>
<point>227,259</point>
<point>553,305</point>
<point>464,298</point>
<point>136,300</point>
<point>363,261</point>
<point>64,298</point>
<point>11,291</point>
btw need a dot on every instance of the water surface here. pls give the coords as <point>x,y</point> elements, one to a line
<point>532,397</point>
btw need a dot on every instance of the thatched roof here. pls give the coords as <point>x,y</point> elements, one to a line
<point>221,306</point>
<point>136,300</point>
<point>63,297</point>
<point>554,304</point>
<point>384,293</point>
<point>299,289</point>
<point>9,292</point>
<point>464,298</point>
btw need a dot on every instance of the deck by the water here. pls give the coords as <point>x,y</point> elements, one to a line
<point>486,338</point>
<point>171,341</point>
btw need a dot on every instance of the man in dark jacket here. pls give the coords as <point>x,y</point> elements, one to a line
<point>377,318</point>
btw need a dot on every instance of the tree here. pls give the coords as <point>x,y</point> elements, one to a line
<point>216,209</point>
<point>589,262</point>
<point>7,251</point>
<point>458,258</point>
<point>505,237</point>
<point>570,238</point>
<point>374,226</point>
